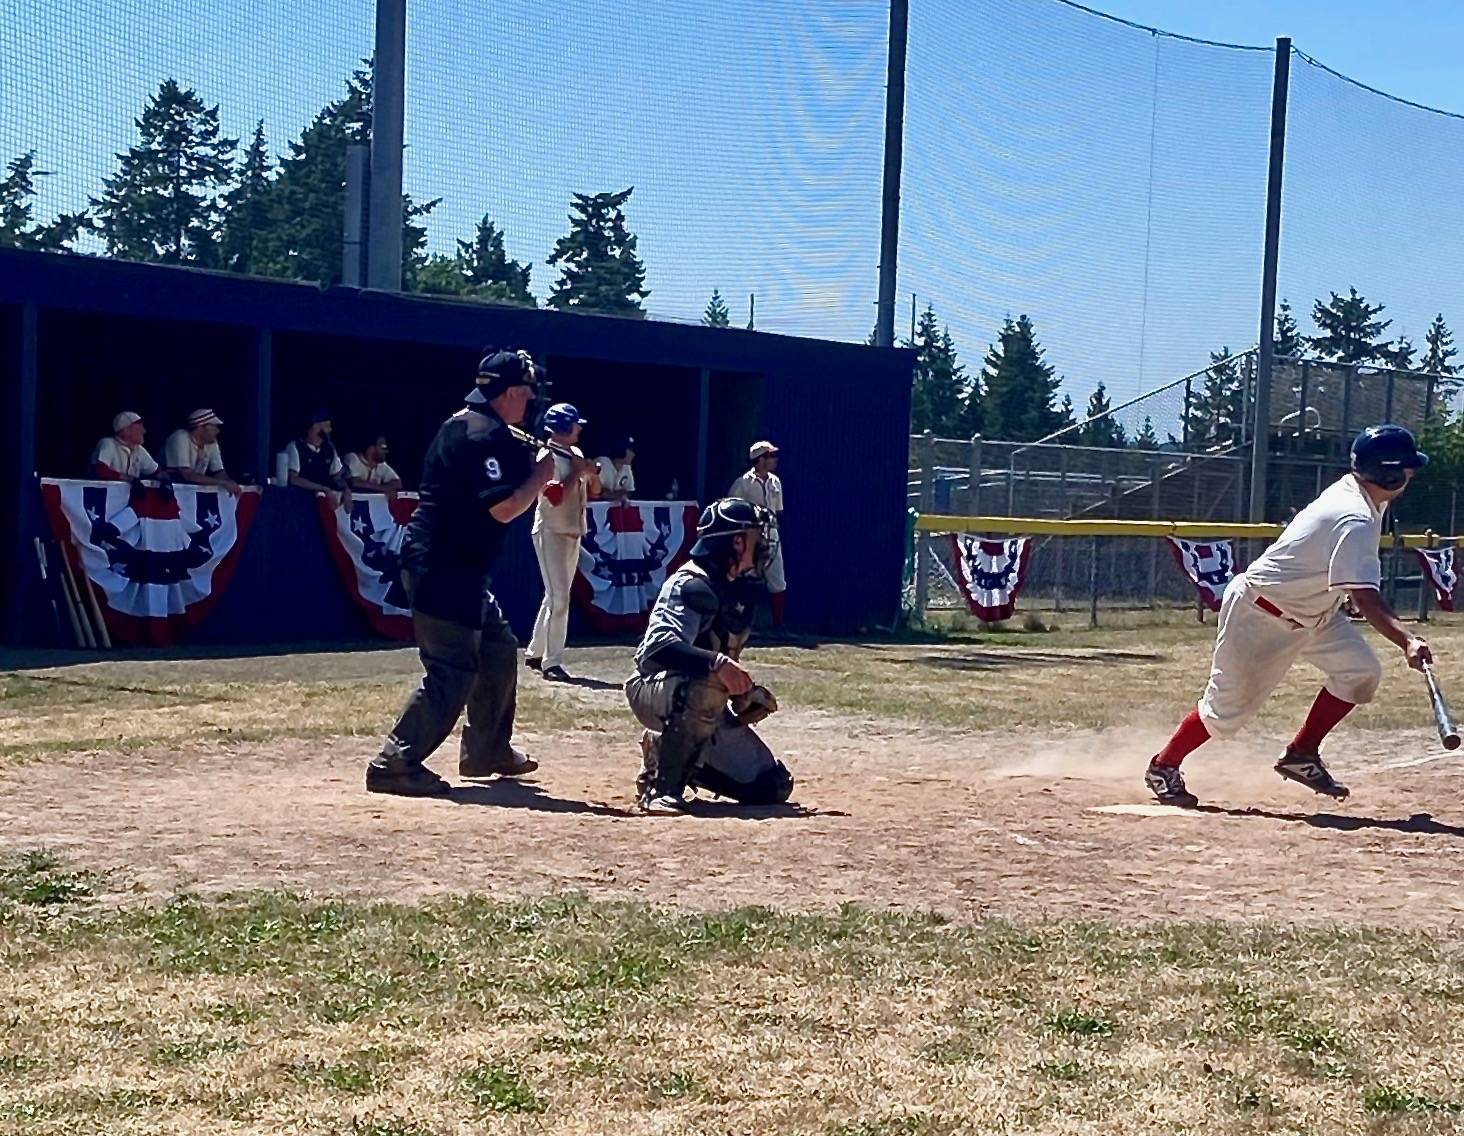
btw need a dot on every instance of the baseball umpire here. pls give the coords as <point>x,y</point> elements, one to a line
<point>1287,605</point>
<point>695,699</point>
<point>476,478</point>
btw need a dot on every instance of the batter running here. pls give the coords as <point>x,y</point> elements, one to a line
<point>1286,605</point>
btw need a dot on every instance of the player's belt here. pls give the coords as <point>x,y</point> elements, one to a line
<point>1271,609</point>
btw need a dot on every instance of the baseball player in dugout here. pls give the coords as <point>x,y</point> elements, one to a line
<point>559,523</point>
<point>696,700</point>
<point>1287,605</point>
<point>476,479</point>
<point>760,485</point>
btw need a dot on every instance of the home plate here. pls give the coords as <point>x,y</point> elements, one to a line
<point>1144,810</point>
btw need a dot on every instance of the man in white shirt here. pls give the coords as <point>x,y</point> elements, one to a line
<point>1287,605</point>
<point>559,523</point>
<point>760,485</point>
<point>368,471</point>
<point>122,456</point>
<point>192,453</point>
<point>616,479</point>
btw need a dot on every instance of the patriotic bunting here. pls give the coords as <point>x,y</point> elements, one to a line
<point>366,547</point>
<point>990,573</point>
<point>158,557</point>
<point>1438,566</point>
<point>625,557</point>
<point>1208,564</point>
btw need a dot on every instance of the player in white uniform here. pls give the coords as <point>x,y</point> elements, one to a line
<point>1286,605</point>
<point>761,486</point>
<point>559,523</point>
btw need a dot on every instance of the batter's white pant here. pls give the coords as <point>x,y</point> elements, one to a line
<point>1254,649</point>
<point>773,577</point>
<point>558,555</point>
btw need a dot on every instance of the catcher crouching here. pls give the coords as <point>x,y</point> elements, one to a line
<point>695,699</point>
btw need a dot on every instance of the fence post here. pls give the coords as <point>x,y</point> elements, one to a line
<point>388,95</point>
<point>1424,585</point>
<point>1060,543</point>
<point>973,483</point>
<point>1260,441</point>
<point>1154,511</point>
<point>1093,583</point>
<point>922,539</point>
<point>894,143</point>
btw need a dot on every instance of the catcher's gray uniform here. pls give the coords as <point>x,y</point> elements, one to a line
<point>693,737</point>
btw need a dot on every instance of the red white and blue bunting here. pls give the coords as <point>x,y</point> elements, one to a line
<point>625,557</point>
<point>1438,566</point>
<point>990,573</point>
<point>158,558</point>
<point>1209,564</point>
<point>366,547</point>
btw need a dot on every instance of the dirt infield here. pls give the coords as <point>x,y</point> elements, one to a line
<point>1015,823</point>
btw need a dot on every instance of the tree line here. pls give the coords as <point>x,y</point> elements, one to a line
<point>1014,396</point>
<point>187,194</point>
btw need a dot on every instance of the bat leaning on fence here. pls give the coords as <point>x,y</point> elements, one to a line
<point>1444,719</point>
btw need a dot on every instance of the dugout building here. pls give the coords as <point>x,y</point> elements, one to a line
<point>83,337</point>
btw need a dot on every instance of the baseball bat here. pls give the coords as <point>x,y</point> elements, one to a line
<point>96,610</point>
<point>73,600</point>
<point>1448,726</point>
<point>521,435</point>
<point>51,595</point>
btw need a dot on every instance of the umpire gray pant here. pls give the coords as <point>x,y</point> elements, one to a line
<point>463,667</point>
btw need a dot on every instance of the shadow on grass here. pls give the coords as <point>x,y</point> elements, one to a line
<point>1419,824</point>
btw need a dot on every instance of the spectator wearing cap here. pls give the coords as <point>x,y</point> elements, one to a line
<point>192,453</point>
<point>368,472</point>
<point>314,464</point>
<point>122,457</point>
<point>559,524</point>
<point>761,486</point>
<point>615,476</point>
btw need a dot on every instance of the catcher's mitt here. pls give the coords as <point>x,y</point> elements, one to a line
<point>752,707</point>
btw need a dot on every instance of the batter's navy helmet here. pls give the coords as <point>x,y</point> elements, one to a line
<point>1382,453</point>
<point>561,418</point>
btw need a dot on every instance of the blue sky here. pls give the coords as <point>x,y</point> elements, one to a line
<point>1106,183</point>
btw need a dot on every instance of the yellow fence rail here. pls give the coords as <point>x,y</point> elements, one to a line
<point>1188,530</point>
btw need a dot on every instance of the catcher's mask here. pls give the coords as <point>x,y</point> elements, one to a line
<point>724,519</point>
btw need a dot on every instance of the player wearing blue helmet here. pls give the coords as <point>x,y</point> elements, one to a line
<point>1287,605</point>
<point>559,524</point>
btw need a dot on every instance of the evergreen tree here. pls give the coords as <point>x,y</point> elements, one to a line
<point>1288,337</point>
<point>1439,348</point>
<point>1146,439</point>
<point>248,206</point>
<point>939,395</point>
<point>490,274</point>
<point>1214,415</point>
<point>304,239</point>
<point>163,204</point>
<point>1066,410</point>
<point>18,228</point>
<point>1019,386</point>
<point>599,269</point>
<point>1350,333</point>
<point>717,314</point>
<point>1399,354</point>
<point>1099,427</point>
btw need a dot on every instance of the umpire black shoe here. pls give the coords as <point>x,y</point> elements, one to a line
<point>557,674</point>
<point>1166,782</point>
<point>1308,769</point>
<point>412,781</point>
<point>515,765</point>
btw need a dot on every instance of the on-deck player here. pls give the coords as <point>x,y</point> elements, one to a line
<point>1287,605</point>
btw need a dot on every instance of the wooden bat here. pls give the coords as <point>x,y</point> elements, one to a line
<point>96,610</point>
<point>523,436</point>
<point>1448,726</point>
<point>84,637</point>
<point>51,595</point>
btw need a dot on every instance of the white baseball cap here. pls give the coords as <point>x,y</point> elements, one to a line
<point>204,417</point>
<point>759,449</point>
<point>124,420</point>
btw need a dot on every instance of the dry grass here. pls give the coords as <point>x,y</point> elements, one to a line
<point>271,1012</point>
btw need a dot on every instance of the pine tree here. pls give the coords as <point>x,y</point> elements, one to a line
<point>1288,336</point>
<point>1066,411</point>
<point>163,204</point>
<point>1099,427</point>
<point>1349,331</point>
<point>1146,438</point>
<point>717,314</point>
<point>248,206</point>
<point>1439,344</point>
<point>304,239</point>
<point>490,274</point>
<point>1399,354</point>
<point>1213,416</point>
<point>599,269</point>
<point>939,394</point>
<point>17,227</point>
<point>1019,386</point>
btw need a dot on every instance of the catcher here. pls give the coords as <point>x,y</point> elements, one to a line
<point>695,699</point>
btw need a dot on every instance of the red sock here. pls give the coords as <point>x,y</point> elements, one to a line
<point>775,602</point>
<point>1325,713</point>
<point>1190,735</point>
